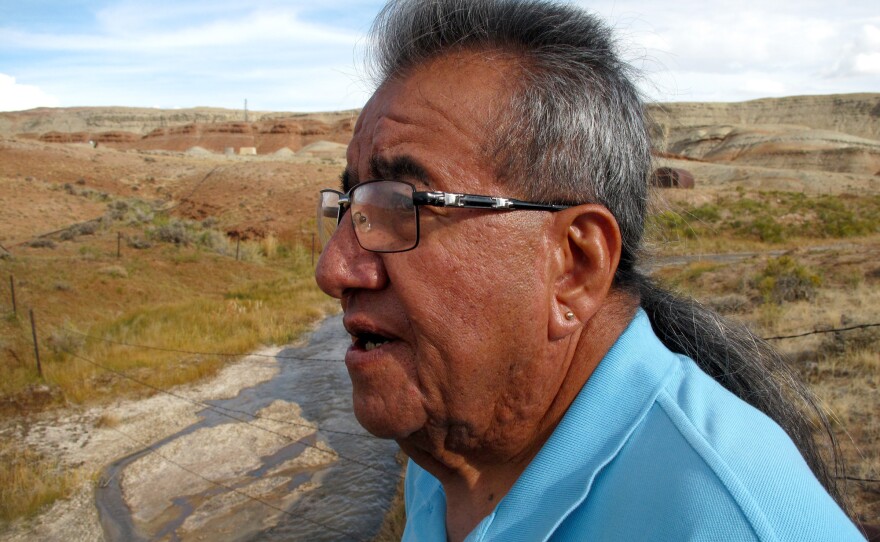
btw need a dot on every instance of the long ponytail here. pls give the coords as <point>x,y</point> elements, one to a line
<point>746,365</point>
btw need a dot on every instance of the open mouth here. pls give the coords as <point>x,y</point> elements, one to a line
<point>369,341</point>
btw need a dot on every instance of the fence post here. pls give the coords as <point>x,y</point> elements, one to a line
<point>36,347</point>
<point>12,290</point>
<point>118,245</point>
<point>237,247</point>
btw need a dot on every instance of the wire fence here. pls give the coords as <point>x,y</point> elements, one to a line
<point>227,354</point>
<point>326,360</point>
<point>240,416</point>
<point>253,419</point>
<point>821,331</point>
<point>247,418</point>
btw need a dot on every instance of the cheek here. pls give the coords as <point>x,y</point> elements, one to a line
<point>476,307</point>
<point>467,280</point>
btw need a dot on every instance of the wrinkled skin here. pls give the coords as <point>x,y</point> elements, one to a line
<point>479,368</point>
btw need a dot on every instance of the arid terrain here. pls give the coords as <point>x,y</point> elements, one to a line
<point>191,231</point>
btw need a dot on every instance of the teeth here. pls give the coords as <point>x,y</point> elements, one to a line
<point>370,345</point>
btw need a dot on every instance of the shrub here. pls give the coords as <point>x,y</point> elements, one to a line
<point>767,229</point>
<point>138,243</point>
<point>670,224</point>
<point>174,231</point>
<point>62,341</point>
<point>835,220</point>
<point>706,213</point>
<point>133,211</point>
<point>729,303</point>
<point>42,243</point>
<point>116,271</point>
<point>83,228</point>
<point>784,279</point>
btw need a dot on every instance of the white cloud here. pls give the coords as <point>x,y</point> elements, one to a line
<point>867,63</point>
<point>211,54</point>
<point>738,50</point>
<point>860,55</point>
<point>293,54</point>
<point>762,86</point>
<point>17,97</point>
<point>253,30</point>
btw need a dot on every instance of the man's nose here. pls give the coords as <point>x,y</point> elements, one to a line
<point>345,265</point>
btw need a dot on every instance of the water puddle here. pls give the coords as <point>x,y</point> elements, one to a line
<point>343,499</point>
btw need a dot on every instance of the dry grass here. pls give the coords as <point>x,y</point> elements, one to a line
<point>395,519</point>
<point>843,368</point>
<point>168,297</point>
<point>269,246</point>
<point>739,220</point>
<point>28,482</point>
<point>94,332</point>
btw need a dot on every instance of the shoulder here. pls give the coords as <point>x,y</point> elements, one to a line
<point>704,461</point>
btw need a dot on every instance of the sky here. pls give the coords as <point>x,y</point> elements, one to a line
<point>297,55</point>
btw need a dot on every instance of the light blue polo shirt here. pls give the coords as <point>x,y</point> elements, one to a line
<point>652,448</point>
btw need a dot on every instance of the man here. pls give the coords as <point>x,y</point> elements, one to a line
<point>485,257</point>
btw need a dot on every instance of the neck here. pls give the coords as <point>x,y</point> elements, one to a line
<point>475,480</point>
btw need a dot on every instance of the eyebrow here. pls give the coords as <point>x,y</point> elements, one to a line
<point>396,168</point>
<point>345,180</point>
<point>399,168</point>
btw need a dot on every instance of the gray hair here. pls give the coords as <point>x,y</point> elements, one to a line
<point>575,131</point>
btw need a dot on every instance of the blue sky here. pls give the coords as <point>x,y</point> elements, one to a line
<point>303,56</point>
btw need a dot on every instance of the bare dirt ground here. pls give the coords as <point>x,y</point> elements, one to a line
<point>44,183</point>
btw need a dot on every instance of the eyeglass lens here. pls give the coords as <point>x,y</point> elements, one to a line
<point>382,214</point>
<point>328,215</point>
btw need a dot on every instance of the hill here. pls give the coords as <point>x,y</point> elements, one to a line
<point>215,130</point>
<point>838,133</point>
<point>814,143</point>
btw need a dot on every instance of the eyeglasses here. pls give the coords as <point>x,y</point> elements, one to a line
<point>385,214</point>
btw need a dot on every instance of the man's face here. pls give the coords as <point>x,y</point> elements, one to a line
<point>461,320</point>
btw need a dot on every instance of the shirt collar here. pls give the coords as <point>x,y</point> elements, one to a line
<point>615,398</point>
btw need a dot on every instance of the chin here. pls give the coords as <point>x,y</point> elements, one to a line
<point>387,419</point>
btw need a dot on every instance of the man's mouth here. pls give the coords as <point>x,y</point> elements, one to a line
<point>369,341</point>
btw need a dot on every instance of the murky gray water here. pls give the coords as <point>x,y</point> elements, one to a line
<point>355,490</point>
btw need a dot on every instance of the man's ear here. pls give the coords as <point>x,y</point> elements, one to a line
<point>587,253</point>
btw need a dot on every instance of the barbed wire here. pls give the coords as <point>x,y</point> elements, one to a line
<point>197,353</point>
<point>220,411</point>
<point>335,360</point>
<point>153,450</point>
<point>857,479</point>
<point>225,411</point>
<point>818,331</point>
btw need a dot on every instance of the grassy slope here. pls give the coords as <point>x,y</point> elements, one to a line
<point>818,268</point>
<point>192,296</point>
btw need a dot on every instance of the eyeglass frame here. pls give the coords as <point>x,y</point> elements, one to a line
<point>436,198</point>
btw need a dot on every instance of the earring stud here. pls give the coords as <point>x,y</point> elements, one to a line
<point>569,316</point>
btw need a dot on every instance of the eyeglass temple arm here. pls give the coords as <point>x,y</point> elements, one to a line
<point>445,199</point>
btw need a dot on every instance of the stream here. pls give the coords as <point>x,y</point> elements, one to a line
<point>353,492</point>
